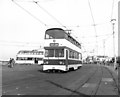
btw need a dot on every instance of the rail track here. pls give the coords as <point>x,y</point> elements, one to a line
<point>96,89</point>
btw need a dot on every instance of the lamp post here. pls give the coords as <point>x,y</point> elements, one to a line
<point>113,24</point>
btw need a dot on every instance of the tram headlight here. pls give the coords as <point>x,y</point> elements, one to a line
<point>61,62</point>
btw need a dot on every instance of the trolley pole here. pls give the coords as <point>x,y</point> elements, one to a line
<point>113,24</point>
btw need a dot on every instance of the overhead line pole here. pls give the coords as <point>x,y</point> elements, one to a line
<point>113,24</point>
<point>112,9</point>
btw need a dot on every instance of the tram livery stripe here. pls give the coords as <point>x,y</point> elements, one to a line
<point>57,62</point>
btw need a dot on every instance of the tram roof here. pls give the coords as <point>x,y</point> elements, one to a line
<point>59,33</point>
<point>56,33</point>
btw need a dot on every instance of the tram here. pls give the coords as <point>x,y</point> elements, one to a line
<point>30,57</point>
<point>62,51</point>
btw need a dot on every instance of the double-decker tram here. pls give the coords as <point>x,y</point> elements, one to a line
<point>62,51</point>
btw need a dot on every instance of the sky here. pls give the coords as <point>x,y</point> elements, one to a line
<point>23,24</point>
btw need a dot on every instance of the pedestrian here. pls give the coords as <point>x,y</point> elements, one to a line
<point>9,63</point>
<point>13,62</point>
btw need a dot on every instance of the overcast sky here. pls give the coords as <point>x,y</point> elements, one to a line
<point>23,28</point>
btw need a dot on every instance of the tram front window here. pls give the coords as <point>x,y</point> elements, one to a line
<point>59,53</point>
<point>49,53</point>
<point>54,53</point>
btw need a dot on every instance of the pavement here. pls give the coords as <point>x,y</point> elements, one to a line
<point>111,67</point>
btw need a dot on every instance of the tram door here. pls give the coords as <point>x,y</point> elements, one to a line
<point>36,61</point>
<point>66,57</point>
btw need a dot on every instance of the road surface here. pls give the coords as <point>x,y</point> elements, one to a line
<point>90,79</point>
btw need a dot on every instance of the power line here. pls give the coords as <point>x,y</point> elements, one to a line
<point>91,12</point>
<point>97,36</point>
<point>30,13</point>
<point>18,45</point>
<point>18,42</point>
<point>78,26</point>
<point>93,24</point>
<point>36,2</point>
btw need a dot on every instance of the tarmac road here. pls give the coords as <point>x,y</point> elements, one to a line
<point>91,79</point>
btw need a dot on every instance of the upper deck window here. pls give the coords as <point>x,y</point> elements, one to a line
<point>55,33</point>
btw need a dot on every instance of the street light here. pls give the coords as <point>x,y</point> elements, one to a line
<point>113,24</point>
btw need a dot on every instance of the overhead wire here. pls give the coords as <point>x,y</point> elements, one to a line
<point>30,13</point>
<point>19,44</point>
<point>92,17</point>
<point>98,36</point>
<point>94,26</point>
<point>78,26</point>
<point>4,41</point>
<point>36,2</point>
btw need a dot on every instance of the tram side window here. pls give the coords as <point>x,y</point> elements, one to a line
<point>29,58</point>
<point>77,55</point>
<point>59,53</point>
<point>49,53</point>
<point>73,54</point>
<point>70,54</point>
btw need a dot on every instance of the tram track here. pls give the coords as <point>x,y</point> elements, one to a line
<point>88,79</point>
<point>32,78</point>
<point>97,88</point>
<point>99,83</point>
<point>95,77</point>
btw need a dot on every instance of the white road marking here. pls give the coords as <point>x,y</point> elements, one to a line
<point>107,79</point>
<point>91,85</point>
<point>17,88</point>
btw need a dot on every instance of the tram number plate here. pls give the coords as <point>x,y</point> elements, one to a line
<point>54,44</point>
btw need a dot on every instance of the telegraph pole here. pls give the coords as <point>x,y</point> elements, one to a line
<point>113,24</point>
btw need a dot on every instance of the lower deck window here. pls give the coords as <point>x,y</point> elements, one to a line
<point>74,55</point>
<point>54,53</point>
<point>59,53</point>
<point>49,53</point>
